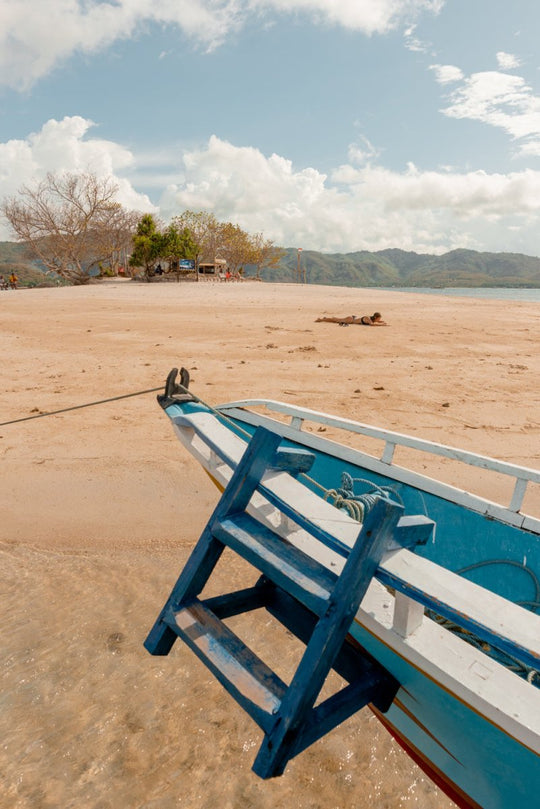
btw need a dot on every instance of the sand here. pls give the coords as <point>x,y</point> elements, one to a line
<point>101,506</point>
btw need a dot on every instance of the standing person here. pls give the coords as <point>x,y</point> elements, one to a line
<point>13,281</point>
<point>3,283</point>
<point>365,320</point>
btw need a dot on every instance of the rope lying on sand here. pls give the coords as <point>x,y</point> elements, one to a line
<point>78,407</point>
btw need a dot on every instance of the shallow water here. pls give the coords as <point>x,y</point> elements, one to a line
<point>89,719</point>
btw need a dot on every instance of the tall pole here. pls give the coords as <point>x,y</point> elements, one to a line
<point>298,273</point>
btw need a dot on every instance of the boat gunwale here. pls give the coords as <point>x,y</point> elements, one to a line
<point>384,465</point>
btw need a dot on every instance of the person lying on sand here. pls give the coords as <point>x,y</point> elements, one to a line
<point>366,320</point>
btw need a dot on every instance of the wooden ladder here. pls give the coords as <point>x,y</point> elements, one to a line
<point>312,601</point>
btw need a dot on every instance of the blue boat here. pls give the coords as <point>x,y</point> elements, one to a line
<point>445,627</point>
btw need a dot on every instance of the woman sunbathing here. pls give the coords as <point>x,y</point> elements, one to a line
<point>366,320</point>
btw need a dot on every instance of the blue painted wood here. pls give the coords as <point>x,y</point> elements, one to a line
<point>307,580</point>
<point>245,676</point>
<point>286,714</point>
<point>352,661</point>
<point>294,461</point>
<point>208,550</point>
<point>342,705</point>
<point>413,530</point>
<point>229,604</point>
<point>328,636</point>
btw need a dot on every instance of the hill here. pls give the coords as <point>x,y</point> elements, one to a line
<point>15,258</point>
<point>393,267</point>
<point>385,268</point>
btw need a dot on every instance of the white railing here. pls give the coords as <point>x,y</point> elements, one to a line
<point>298,416</point>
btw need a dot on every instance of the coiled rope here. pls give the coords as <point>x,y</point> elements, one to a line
<point>358,505</point>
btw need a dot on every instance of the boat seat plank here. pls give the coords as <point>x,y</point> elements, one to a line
<point>507,626</point>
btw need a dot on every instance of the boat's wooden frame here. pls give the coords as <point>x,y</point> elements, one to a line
<point>392,626</point>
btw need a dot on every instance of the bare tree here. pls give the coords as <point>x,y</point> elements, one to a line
<point>112,236</point>
<point>60,218</point>
<point>236,247</point>
<point>265,253</point>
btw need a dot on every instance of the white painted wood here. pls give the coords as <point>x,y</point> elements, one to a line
<point>388,435</point>
<point>518,495</point>
<point>408,615</point>
<point>369,462</point>
<point>491,611</point>
<point>207,435</point>
<point>388,452</point>
<point>489,689</point>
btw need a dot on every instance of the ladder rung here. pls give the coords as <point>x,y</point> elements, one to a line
<point>290,568</point>
<point>245,676</point>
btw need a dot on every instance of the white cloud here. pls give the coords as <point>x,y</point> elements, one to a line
<point>507,61</point>
<point>413,43</point>
<point>500,100</point>
<point>361,205</point>
<point>63,146</point>
<point>362,152</point>
<point>369,16</point>
<point>37,36</point>
<point>446,74</point>
<point>367,207</point>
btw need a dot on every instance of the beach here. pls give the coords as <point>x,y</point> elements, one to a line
<point>101,506</point>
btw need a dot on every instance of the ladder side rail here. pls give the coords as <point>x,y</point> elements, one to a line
<point>208,549</point>
<point>328,636</point>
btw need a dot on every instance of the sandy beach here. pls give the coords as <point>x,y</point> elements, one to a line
<point>102,505</point>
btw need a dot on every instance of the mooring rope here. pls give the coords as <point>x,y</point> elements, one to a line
<point>79,407</point>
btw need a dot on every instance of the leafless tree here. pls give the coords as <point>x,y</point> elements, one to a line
<point>236,246</point>
<point>70,221</point>
<point>265,253</point>
<point>112,236</point>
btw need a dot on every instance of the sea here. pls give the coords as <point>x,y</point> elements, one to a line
<point>496,293</point>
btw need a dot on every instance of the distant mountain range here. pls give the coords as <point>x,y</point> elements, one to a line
<point>399,268</point>
<point>14,258</point>
<point>384,268</point>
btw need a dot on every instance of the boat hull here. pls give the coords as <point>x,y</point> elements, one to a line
<point>470,723</point>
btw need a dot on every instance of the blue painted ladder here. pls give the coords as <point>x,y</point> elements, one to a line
<point>313,602</point>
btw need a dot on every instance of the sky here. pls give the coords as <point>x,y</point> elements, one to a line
<point>331,125</point>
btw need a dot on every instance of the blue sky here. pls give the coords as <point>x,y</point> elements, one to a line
<point>333,125</point>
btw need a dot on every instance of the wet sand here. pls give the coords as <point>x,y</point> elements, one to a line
<point>102,505</point>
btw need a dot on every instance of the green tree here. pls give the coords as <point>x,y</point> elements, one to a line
<point>205,233</point>
<point>178,245</point>
<point>148,246</point>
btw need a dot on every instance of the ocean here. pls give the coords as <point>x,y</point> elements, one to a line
<point>496,293</point>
